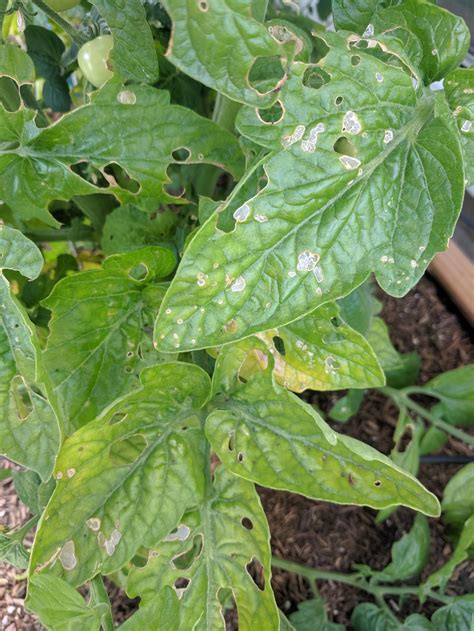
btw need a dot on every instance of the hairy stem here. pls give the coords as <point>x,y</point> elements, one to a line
<point>355,580</point>
<point>66,26</point>
<point>401,398</point>
<point>99,595</point>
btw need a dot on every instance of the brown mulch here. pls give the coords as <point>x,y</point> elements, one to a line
<point>319,534</point>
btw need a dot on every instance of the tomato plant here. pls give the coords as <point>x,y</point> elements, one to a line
<point>184,253</point>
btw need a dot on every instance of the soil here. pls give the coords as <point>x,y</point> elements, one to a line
<point>319,534</point>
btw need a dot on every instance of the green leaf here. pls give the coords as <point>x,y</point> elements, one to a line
<point>323,221</point>
<point>128,228</point>
<point>409,554</point>
<point>347,406</point>
<point>321,352</point>
<point>353,15</point>
<point>100,331</point>
<point>311,616</point>
<point>458,497</point>
<point>441,577</point>
<point>164,607</point>
<point>458,615</point>
<point>211,552</point>
<point>13,551</point>
<point>29,432</point>
<point>266,434</point>
<point>400,369</point>
<point>433,439</point>
<point>31,490</point>
<point>369,617</point>
<point>443,38</point>
<point>59,607</point>
<point>46,50</point>
<point>218,43</point>
<point>41,159</point>
<point>16,64</point>
<point>357,308</point>
<point>133,56</point>
<point>125,479</point>
<point>455,390</point>
<point>459,86</point>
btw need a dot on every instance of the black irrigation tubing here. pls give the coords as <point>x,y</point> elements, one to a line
<point>446,459</point>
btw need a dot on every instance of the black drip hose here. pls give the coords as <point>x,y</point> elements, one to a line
<point>446,459</point>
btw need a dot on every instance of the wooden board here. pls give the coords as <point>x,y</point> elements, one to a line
<point>455,272</point>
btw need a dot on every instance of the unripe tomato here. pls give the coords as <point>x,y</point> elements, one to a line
<point>62,5</point>
<point>92,58</point>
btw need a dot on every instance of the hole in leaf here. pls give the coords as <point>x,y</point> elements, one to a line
<point>271,115</point>
<point>90,174</point>
<point>203,5</point>
<point>139,272</point>
<point>174,189</point>
<point>320,50</point>
<point>336,322</point>
<point>9,94</point>
<point>181,583</point>
<point>115,174</point>
<point>231,443</point>
<point>256,573</point>
<point>127,450</point>
<point>345,147</point>
<point>355,60</point>
<point>117,418</point>
<point>185,560</point>
<point>247,523</point>
<point>338,100</point>
<point>315,78</point>
<point>240,457</point>
<point>266,74</point>
<point>279,345</point>
<point>181,155</point>
<point>139,561</point>
<point>377,483</point>
<point>22,398</point>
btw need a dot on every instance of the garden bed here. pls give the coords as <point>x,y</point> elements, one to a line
<point>319,534</point>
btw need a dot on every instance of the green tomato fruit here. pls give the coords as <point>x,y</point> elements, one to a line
<point>92,59</point>
<point>62,5</point>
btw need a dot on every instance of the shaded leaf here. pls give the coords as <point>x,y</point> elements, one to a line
<point>127,228</point>
<point>266,434</point>
<point>210,552</point>
<point>461,552</point>
<point>400,369</point>
<point>369,617</point>
<point>125,479</point>
<point>155,129</point>
<point>457,615</point>
<point>13,551</point>
<point>324,220</point>
<point>29,431</point>
<point>458,497</point>
<point>347,406</point>
<point>60,607</point>
<point>455,390</point>
<point>133,56</point>
<point>100,331</point>
<point>409,554</point>
<point>311,615</point>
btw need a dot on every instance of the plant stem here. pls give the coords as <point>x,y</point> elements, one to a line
<point>401,398</point>
<point>67,27</point>
<point>99,595</point>
<point>224,115</point>
<point>21,533</point>
<point>355,580</point>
